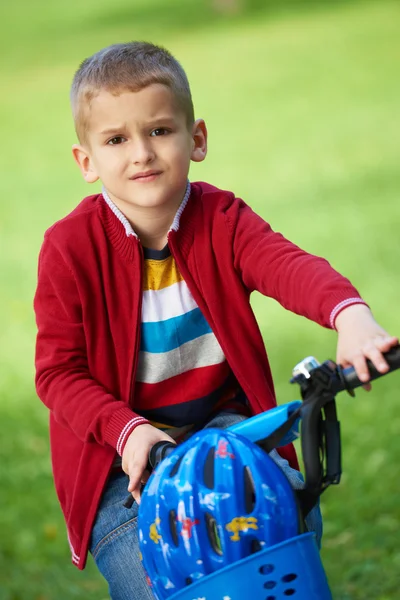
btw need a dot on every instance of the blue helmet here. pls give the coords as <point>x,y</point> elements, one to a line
<point>215,500</point>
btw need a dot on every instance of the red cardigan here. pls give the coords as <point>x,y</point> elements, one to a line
<point>88,306</point>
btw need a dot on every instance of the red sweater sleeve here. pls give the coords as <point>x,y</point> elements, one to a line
<point>63,379</point>
<point>303,283</point>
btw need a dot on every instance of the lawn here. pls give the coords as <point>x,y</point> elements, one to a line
<point>301,99</point>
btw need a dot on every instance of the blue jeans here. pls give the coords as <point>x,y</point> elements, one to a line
<point>114,543</point>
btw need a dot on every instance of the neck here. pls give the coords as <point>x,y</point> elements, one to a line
<point>151,229</point>
<point>151,225</point>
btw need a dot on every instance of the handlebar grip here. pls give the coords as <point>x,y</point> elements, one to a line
<point>349,375</point>
<point>158,452</point>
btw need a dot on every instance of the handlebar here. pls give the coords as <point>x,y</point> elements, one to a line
<point>320,428</point>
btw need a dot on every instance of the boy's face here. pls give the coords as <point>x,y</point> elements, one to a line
<point>139,145</point>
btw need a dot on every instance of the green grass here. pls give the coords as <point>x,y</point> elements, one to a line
<point>301,101</point>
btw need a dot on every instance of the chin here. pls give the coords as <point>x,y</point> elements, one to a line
<point>154,200</point>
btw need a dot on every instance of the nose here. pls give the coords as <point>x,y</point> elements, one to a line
<point>142,152</point>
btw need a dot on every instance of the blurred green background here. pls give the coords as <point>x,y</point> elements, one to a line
<point>301,99</point>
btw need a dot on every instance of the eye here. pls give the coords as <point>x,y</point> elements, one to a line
<point>159,131</point>
<point>118,139</point>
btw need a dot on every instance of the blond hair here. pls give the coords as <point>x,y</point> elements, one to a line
<point>127,67</point>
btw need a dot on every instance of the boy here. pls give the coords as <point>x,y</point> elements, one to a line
<point>145,331</point>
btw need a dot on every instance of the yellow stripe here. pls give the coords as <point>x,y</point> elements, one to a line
<point>159,274</point>
<point>174,432</point>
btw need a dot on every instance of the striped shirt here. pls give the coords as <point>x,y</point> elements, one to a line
<point>182,377</point>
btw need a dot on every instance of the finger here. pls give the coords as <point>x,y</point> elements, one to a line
<point>135,474</point>
<point>136,491</point>
<point>385,342</point>
<point>145,477</point>
<point>136,495</point>
<point>360,366</point>
<point>376,357</point>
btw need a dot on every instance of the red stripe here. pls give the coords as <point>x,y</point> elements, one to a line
<point>181,388</point>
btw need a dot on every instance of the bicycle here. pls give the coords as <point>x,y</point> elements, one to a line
<point>293,567</point>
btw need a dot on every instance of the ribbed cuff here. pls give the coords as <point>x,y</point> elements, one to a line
<point>121,425</point>
<point>341,306</point>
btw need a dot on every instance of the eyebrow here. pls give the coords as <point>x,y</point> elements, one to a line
<point>151,122</point>
<point>112,130</point>
<point>162,119</point>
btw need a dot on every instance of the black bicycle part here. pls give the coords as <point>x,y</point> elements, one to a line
<point>349,376</point>
<point>320,428</point>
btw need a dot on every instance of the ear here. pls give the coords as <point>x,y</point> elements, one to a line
<point>84,162</point>
<point>199,135</point>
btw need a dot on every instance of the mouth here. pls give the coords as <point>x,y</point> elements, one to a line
<point>145,176</point>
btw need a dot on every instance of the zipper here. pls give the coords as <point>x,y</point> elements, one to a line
<point>138,328</point>
<point>188,280</point>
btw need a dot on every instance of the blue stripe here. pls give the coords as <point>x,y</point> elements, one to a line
<point>167,335</point>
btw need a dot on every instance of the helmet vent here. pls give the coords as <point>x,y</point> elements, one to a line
<point>176,466</point>
<point>208,472</point>
<point>249,491</point>
<point>255,546</point>
<point>215,540</point>
<point>172,527</point>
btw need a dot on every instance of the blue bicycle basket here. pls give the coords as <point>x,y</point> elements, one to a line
<point>215,500</point>
<point>289,570</point>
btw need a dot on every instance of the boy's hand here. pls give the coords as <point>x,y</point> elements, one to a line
<point>360,337</point>
<point>136,454</point>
